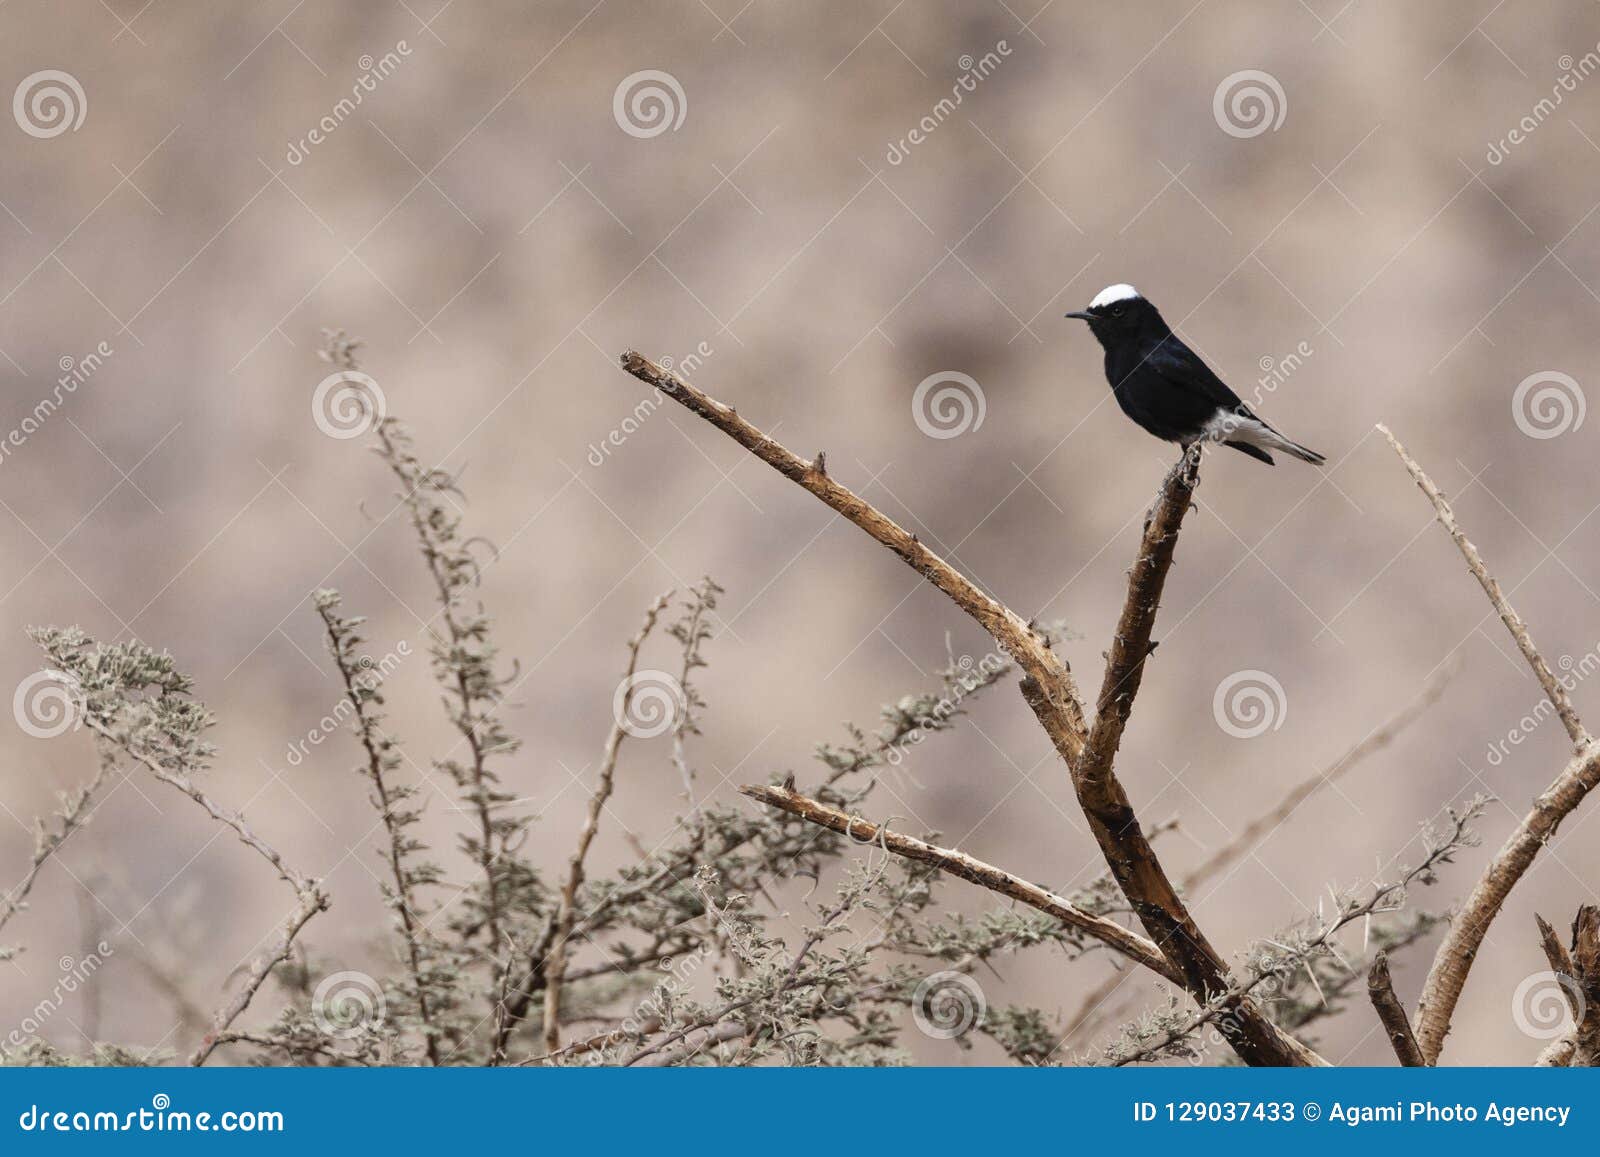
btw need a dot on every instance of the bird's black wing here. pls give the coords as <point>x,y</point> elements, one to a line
<point>1182,368</point>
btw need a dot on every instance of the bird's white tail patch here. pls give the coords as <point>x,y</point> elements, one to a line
<point>1252,431</point>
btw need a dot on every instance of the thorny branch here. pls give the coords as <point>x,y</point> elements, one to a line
<point>1052,694</point>
<point>1459,949</point>
<point>1288,952</point>
<point>974,871</point>
<point>73,814</point>
<point>555,963</point>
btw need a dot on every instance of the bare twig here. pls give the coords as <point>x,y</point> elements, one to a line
<point>1391,1013</point>
<point>1459,949</point>
<point>1262,825</point>
<point>312,901</point>
<point>1051,693</point>
<point>309,895</point>
<point>974,871</point>
<point>1508,614</point>
<point>73,814</point>
<point>555,961</point>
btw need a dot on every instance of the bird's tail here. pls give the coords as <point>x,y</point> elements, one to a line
<point>1268,438</point>
<point>1301,452</point>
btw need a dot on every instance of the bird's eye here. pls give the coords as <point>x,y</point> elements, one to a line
<point>1118,310</point>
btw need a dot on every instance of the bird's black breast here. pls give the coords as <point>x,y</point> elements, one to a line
<point>1165,387</point>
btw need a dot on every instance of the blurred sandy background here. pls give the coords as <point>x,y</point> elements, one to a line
<point>489,229</point>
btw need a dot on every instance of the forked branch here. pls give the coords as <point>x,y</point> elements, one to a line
<point>1051,693</point>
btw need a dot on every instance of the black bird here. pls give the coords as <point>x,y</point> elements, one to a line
<point>1164,386</point>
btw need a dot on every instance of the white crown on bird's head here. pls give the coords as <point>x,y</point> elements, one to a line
<point>1119,292</point>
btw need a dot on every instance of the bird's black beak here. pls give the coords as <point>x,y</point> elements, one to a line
<point>1081,315</point>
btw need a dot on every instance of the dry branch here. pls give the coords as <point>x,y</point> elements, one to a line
<point>974,871</point>
<point>1051,693</point>
<point>1024,644</point>
<point>1258,828</point>
<point>309,895</point>
<point>378,748</point>
<point>74,813</point>
<point>1586,970</point>
<point>1391,1013</point>
<point>1459,949</point>
<point>1561,964</point>
<point>1094,1010</point>
<point>1491,587</point>
<point>311,902</point>
<point>555,962</point>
